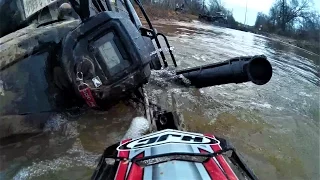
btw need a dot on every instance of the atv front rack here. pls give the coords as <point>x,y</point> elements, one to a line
<point>153,34</point>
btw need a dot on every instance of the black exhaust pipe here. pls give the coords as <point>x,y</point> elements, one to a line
<point>236,70</point>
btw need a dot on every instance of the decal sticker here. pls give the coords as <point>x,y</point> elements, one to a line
<point>167,137</point>
<point>135,171</point>
<point>160,50</point>
<point>123,165</point>
<point>1,88</point>
<point>96,81</point>
<point>33,6</point>
<point>223,163</point>
<point>212,167</point>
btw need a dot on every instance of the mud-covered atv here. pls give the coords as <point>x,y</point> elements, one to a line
<point>41,63</point>
<point>39,73</point>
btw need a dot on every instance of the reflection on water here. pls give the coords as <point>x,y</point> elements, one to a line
<point>274,126</point>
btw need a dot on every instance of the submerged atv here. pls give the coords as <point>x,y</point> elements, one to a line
<point>39,63</point>
<point>66,56</point>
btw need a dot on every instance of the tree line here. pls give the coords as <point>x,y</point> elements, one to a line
<point>191,6</point>
<point>295,18</point>
<point>196,7</point>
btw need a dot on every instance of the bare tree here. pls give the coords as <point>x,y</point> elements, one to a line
<point>284,13</point>
<point>294,18</point>
<point>310,26</point>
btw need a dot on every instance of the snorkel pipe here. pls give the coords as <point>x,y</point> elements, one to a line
<point>256,69</point>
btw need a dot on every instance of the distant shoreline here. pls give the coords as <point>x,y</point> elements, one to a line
<point>165,14</point>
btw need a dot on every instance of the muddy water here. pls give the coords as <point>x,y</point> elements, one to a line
<point>275,126</point>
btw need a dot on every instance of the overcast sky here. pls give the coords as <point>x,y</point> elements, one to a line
<point>254,6</point>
